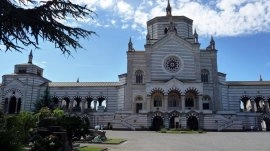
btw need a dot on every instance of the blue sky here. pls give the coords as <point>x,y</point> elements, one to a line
<point>241,30</point>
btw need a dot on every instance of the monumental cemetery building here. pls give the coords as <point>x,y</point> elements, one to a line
<point>173,83</point>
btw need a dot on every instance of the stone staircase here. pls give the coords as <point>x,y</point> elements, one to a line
<point>129,121</point>
<point>231,123</point>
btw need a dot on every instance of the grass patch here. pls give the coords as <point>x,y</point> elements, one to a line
<point>181,131</point>
<point>91,148</point>
<point>114,141</point>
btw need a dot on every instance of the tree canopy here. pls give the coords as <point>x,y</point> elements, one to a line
<point>25,22</point>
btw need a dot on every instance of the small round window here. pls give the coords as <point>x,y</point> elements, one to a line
<point>172,64</point>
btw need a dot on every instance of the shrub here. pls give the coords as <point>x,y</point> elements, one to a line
<point>163,130</point>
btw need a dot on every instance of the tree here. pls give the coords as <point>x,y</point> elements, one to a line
<point>45,101</point>
<point>21,24</point>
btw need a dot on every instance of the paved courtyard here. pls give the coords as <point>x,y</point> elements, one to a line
<point>211,141</point>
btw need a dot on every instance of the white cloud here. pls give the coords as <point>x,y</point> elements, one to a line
<point>124,26</point>
<point>219,18</point>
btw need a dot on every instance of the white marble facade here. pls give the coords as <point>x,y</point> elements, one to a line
<point>173,83</point>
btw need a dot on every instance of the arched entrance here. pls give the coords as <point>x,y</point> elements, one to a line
<point>157,123</point>
<point>12,105</point>
<point>265,124</point>
<point>192,123</point>
<point>174,122</point>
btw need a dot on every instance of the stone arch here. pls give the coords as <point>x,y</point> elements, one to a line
<point>174,89</point>
<point>192,121</point>
<point>245,103</point>
<point>12,105</point>
<point>192,89</point>
<point>191,98</point>
<point>65,103</point>
<point>89,102</point>
<point>174,98</point>
<point>13,100</point>
<point>259,103</point>
<point>157,98</point>
<point>102,103</point>
<point>157,121</point>
<point>207,102</point>
<point>174,119</point>
<point>139,103</point>
<point>77,103</point>
<point>265,122</point>
<point>157,90</point>
<point>13,92</point>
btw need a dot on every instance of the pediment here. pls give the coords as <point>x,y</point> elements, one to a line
<point>15,83</point>
<point>174,83</point>
<point>172,39</point>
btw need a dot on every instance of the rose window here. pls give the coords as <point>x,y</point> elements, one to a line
<point>172,64</point>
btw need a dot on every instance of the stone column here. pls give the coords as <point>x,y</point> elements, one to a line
<point>148,100</point>
<point>183,102</point>
<point>95,105</point>
<point>266,104</point>
<point>200,103</point>
<point>83,105</point>
<point>253,105</point>
<point>71,105</point>
<point>165,103</point>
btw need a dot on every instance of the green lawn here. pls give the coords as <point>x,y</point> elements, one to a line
<point>115,141</point>
<point>91,148</point>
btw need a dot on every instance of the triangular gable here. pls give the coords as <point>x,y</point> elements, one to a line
<point>172,37</point>
<point>174,83</point>
<point>15,83</point>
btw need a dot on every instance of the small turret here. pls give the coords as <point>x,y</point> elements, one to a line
<point>195,37</point>
<point>261,78</point>
<point>168,9</point>
<point>30,57</point>
<point>130,45</point>
<point>212,44</point>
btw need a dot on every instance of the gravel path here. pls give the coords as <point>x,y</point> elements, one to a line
<point>211,141</point>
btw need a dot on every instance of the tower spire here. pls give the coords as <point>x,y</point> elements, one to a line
<point>130,45</point>
<point>196,36</point>
<point>30,57</point>
<point>169,9</point>
<point>261,78</point>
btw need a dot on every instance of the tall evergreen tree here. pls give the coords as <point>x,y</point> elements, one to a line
<point>45,101</point>
<point>21,24</point>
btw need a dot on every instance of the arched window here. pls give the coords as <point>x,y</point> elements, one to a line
<point>166,30</point>
<point>12,105</point>
<point>245,104</point>
<point>65,103</point>
<point>139,104</point>
<point>204,75</point>
<point>89,101</point>
<point>173,99</point>
<point>206,103</point>
<point>157,101</point>
<point>191,99</point>
<point>259,103</point>
<point>139,76</point>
